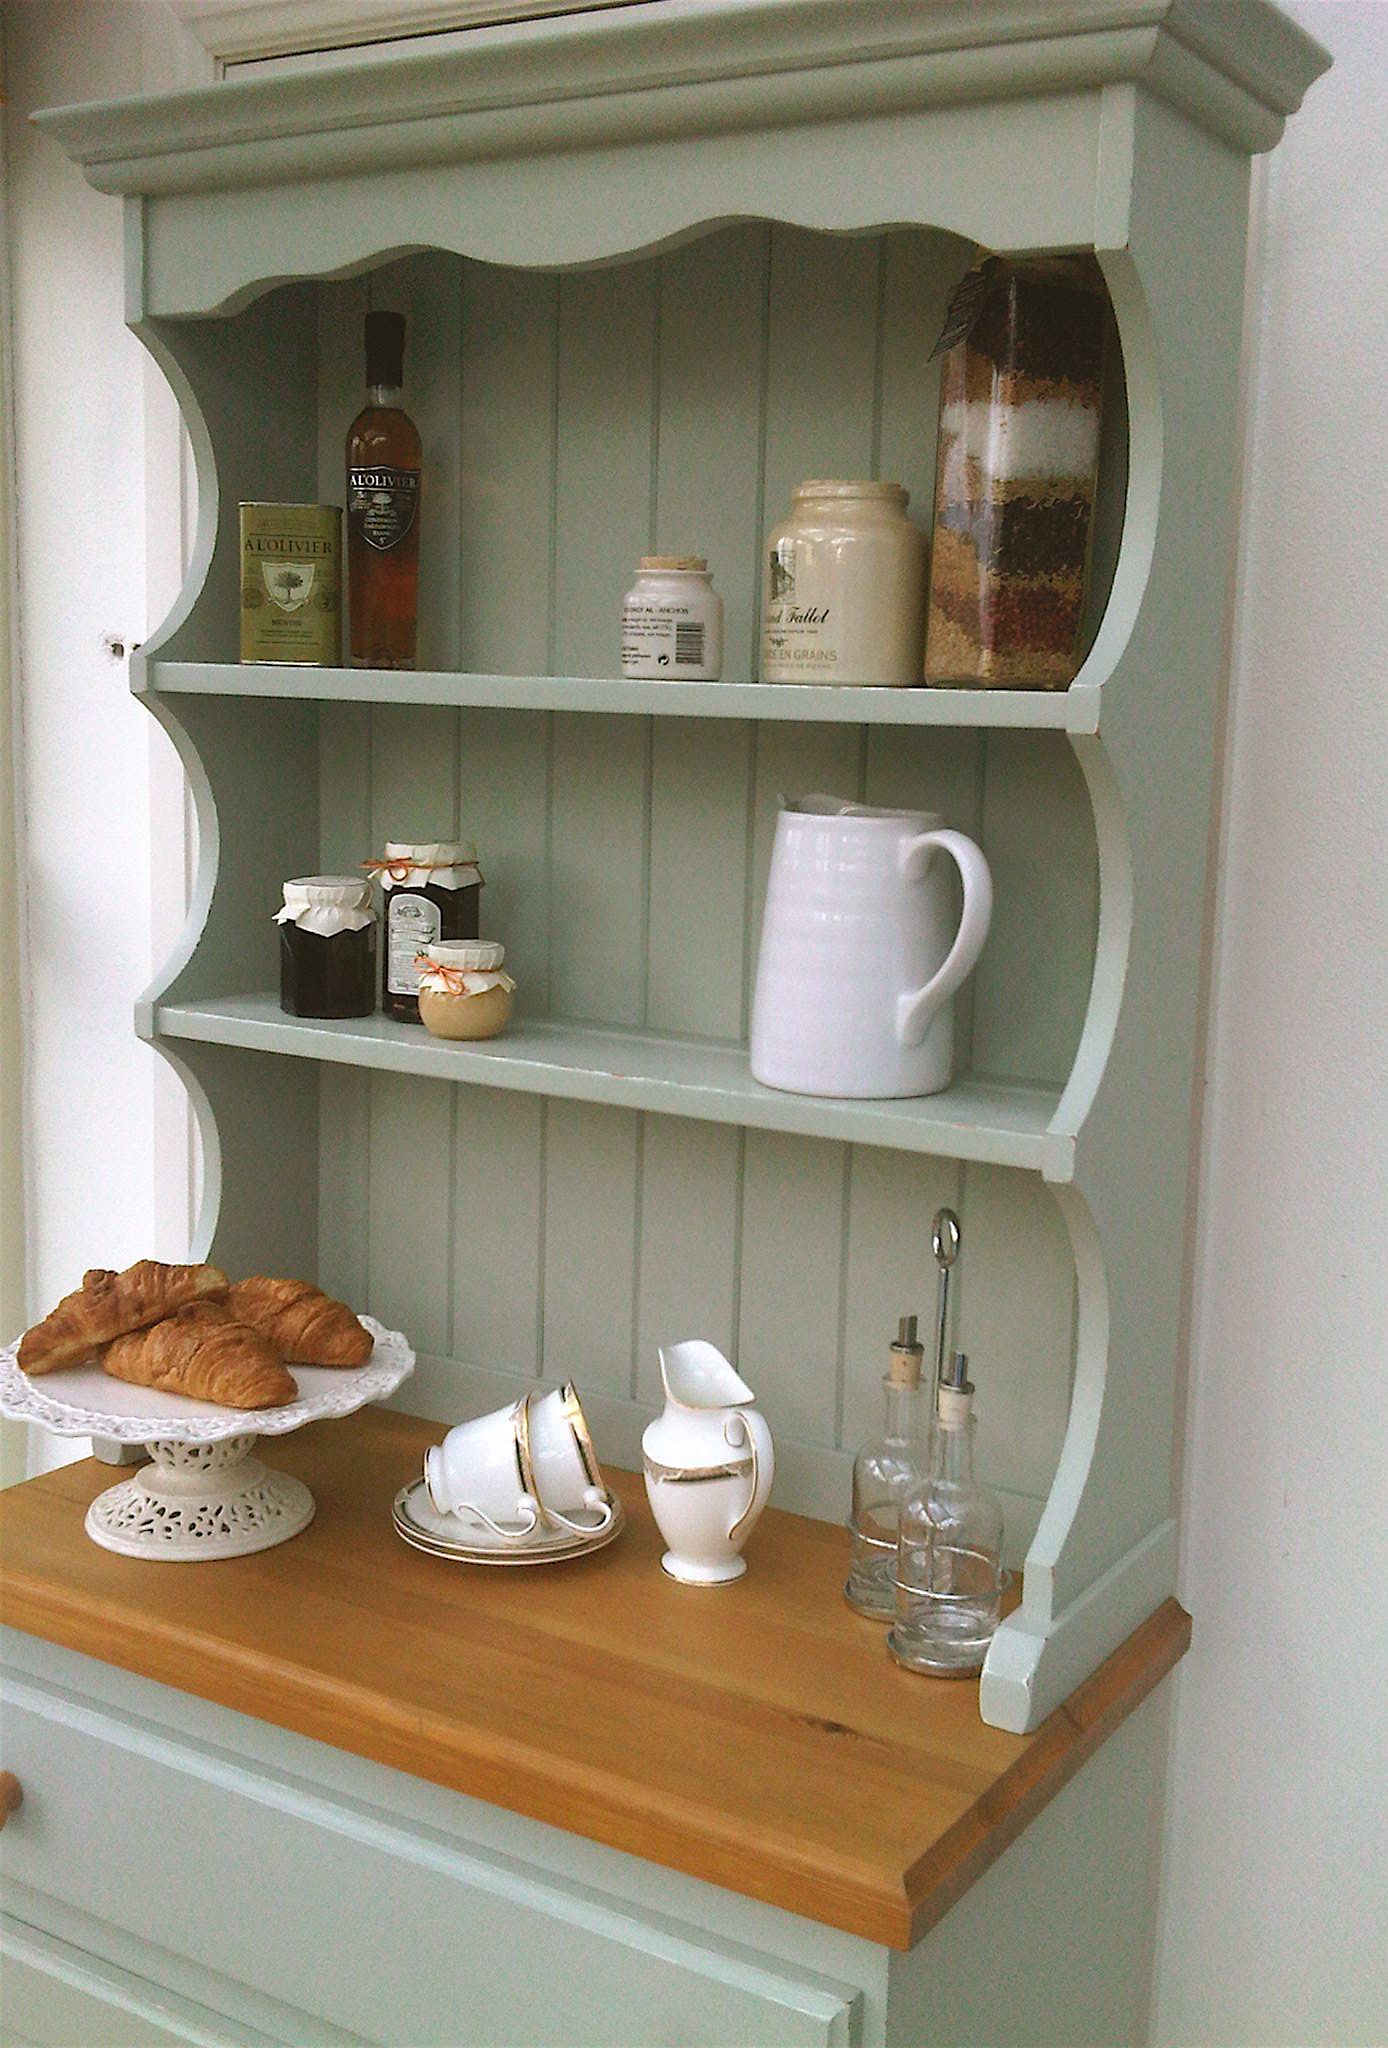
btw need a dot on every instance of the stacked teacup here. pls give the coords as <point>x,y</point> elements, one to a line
<point>522,1469</point>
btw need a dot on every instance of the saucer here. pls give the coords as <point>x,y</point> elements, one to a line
<point>419,1523</point>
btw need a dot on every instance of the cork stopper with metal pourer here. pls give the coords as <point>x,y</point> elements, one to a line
<point>907,1356</point>
<point>956,1391</point>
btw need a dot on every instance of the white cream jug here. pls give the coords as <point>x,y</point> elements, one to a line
<point>859,961</point>
<point>708,1462</point>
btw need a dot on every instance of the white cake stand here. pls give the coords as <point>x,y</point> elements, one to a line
<point>203,1495</point>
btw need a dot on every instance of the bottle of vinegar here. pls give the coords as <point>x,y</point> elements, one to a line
<point>383,463</point>
<point>885,1471</point>
<point>949,1575</point>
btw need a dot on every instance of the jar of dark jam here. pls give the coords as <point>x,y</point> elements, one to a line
<point>327,947</point>
<point>432,890</point>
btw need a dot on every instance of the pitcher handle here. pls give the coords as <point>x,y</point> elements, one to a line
<point>915,1009</point>
<point>752,1429</point>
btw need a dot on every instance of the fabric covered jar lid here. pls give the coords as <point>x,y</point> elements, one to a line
<point>326,904</point>
<point>468,956</point>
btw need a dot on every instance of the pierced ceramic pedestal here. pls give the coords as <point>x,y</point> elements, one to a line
<point>195,1501</point>
<point>202,1495</point>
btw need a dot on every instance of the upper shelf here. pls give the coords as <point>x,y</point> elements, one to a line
<point>996,1122</point>
<point>1075,710</point>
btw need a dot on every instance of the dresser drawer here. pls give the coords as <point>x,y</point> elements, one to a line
<point>387,1929</point>
<point>53,1995</point>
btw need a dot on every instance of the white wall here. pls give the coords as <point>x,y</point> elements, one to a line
<point>94,569</point>
<point>1272,1925</point>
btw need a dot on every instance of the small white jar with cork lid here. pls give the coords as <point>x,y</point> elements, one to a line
<point>464,991</point>
<point>672,621</point>
<point>845,588</point>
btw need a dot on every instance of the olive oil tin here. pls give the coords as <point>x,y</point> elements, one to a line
<point>291,584</point>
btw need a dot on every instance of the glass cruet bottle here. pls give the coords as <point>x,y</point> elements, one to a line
<point>949,1575</point>
<point>885,1471</point>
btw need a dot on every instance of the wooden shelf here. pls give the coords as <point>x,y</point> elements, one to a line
<point>994,1122</point>
<point>759,1736</point>
<point>1075,710</point>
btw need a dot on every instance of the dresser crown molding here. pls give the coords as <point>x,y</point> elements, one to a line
<point>670,68</point>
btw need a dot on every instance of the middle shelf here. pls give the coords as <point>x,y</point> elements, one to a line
<point>1075,710</point>
<point>994,1122</point>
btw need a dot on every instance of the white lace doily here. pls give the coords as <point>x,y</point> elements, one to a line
<point>83,1400</point>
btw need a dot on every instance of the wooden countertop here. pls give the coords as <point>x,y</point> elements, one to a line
<point>756,1735</point>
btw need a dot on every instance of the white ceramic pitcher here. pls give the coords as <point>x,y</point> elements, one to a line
<point>709,1463</point>
<point>858,962</point>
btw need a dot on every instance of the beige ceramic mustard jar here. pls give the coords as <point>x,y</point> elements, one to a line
<point>845,588</point>
<point>464,991</point>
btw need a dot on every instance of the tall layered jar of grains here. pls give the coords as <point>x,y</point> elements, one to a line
<point>1021,391</point>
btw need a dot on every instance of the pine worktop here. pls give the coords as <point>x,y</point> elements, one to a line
<point>756,1735</point>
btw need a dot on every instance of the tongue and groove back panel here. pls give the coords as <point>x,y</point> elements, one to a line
<point>572,422</point>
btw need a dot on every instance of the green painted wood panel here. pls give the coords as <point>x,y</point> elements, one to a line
<point>592,1165</point>
<point>1032,983</point>
<point>509,378</point>
<point>498,1228</point>
<point>1019,1335</point>
<point>411,1169</point>
<point>794,1201</point>
<point>712,371</point>
<point>688,1271</point>
<point>700,778</point>
<point>599,850</point>
<point>503,785</point>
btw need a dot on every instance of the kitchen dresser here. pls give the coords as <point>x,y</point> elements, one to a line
<point>658,265</point>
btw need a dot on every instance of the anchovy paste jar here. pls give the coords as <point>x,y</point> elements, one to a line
<point>1021,391</point>
<point>327,947</point>
<point>845,588</point>
<point>432,890</point>
<point>672,621</point>
<point>464,991</point>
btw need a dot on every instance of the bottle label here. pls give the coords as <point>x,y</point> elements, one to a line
<point>382,504</point>
<point>412,923</point>
<point>800,629</point>
<point>662,635</point>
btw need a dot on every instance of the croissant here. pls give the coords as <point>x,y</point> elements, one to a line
<point>106,1305</point>
<point>203,1352</point>
<point>306,1326</point>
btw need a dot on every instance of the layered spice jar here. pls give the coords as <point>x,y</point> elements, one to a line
<point>432,891</point>
<point>1021,394</point>
<point>845,587</point>
<point>327,947</point>
<point>464,990</point>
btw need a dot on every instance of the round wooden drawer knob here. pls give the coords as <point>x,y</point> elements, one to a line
<point>11,1795</point>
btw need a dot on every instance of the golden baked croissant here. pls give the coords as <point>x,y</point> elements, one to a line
<point>306,1326</point>
<point>106,1305</point>
<point>203,1352</point>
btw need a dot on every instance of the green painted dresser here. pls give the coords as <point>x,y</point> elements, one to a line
<point>658,265</point>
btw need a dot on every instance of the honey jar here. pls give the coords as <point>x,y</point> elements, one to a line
<point>464,992</point>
